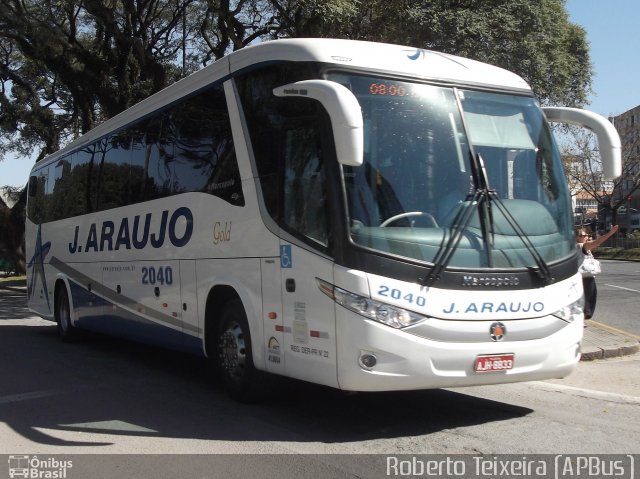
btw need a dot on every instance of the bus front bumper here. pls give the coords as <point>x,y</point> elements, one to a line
<point>375,357</point>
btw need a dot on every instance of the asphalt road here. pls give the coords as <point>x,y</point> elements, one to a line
<point>619,295</point>
<point>116,406</point>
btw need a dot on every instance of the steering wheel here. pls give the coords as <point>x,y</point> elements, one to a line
<point>408,214</point>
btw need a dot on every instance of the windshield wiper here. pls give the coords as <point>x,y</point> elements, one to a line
<point>484,198</point>
<point>462,220</point>
<point>543,270</point>
<point>460,223</point>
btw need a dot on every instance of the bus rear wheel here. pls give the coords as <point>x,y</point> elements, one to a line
<point>234,359</point>
<point>63,315</point>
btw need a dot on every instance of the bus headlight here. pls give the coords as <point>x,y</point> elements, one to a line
<point>572,311</point>
<point>369,308</point>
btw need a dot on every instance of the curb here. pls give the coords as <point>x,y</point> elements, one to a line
<point>601,342</point>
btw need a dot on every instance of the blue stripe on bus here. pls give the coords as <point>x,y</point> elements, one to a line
<point>102,316</point>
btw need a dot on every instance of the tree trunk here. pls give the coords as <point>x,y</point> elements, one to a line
<point>12,237</point>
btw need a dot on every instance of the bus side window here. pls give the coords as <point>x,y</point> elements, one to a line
<point>81,168</point>
<point>304,190</point>
<point>137,174</point>
<point>158,159</point>
<point>205,154</point>
<point>58,182</point>
<point>33,186</point>
<point>36,208</point>
<point>266,116</point>
<point>114,172</point>
<point>194,155</point>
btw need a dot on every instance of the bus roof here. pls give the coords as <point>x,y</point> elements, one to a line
<point>380,57</point>
<point>375,57</point>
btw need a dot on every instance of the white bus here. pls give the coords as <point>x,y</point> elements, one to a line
<point>364,216</point>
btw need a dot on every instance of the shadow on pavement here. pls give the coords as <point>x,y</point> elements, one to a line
<point>114,387</point>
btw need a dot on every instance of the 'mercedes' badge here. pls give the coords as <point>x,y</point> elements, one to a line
<point>497,331</point>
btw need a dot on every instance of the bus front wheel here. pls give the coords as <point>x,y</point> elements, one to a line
<point>234,360</point>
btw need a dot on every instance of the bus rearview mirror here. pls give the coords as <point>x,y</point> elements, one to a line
<point>607,135</point>
<point>343,109</point>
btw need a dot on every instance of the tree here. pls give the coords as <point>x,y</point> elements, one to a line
<point>583,167</point>
<point>584,171</point>
<point>532,38</point>
<point>628,184</point>
<point>67,65</point>
<point>12,231</point>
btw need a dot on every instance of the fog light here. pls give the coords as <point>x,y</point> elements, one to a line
<point>368,360</point>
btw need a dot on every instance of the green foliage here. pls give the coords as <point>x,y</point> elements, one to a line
<point>626,254</point>
<point>533,38</point>
<point>66,65</point>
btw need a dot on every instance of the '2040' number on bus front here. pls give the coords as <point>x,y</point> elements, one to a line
<point>159,275</point>
<point>395,293</point>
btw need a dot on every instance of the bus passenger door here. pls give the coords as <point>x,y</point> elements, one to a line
<point>309,315</point>
<point>292,143</point>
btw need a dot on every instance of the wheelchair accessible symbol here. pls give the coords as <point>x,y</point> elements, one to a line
<point>285,256</point>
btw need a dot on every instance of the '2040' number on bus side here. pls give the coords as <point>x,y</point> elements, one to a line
<point>159,275</point>
<point>395,293</point>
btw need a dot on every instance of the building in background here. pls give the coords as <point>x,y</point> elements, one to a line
<point>628,186</point>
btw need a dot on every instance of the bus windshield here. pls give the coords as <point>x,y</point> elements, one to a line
<point>429,149</point>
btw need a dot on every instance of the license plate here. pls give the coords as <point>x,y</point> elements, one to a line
<point>494,362</point>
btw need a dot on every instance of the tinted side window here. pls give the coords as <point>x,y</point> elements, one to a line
<point>194,147</point>
<point>80,181</point>
<point>36,206</point>
<point>205,157</point>
<point>187,147</point>
<point>304,191</point>
<point>265,114</point>
<point>61,196</point>
<point>159,156</point>
<point>137,174</point>
<point>286,136</point>
<point>114,172</point>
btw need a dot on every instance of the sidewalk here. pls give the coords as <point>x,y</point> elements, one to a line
<point>602,341</point>
<point>14,285</point>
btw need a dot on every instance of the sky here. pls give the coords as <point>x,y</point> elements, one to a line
<point>613,35</point>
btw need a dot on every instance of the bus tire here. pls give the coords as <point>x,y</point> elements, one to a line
<point>66,331</point>
<point>234,359</point>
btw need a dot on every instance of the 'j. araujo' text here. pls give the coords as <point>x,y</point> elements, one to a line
<point>136,232</point>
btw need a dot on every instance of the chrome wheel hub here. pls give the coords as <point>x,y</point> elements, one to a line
<point>232,350</point>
